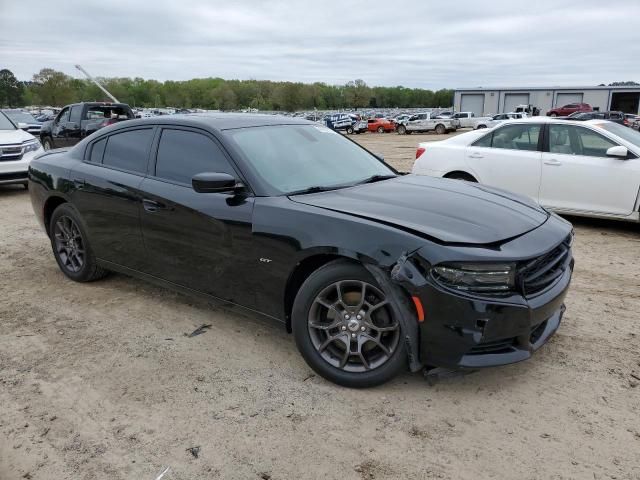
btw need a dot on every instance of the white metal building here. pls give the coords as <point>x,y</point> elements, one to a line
<point>489,101</point>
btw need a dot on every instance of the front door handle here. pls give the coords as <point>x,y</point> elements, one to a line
<point>475,155</point>
<point>152,206</point>
<point>553,162</point>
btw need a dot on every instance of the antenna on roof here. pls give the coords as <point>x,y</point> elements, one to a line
<point>106,92</point>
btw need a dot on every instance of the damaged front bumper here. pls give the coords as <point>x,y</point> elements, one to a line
<point>462,330</point>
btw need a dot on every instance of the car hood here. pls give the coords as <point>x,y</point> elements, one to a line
<point>449,211</point>
<point>14,136</point>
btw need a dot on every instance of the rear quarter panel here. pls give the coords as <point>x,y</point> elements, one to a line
<point>440,158</point>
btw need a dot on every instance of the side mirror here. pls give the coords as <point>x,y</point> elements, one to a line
<point>618,151</point>
<point>23,126</point>
<point>379,156</point>
<point>213,182</point>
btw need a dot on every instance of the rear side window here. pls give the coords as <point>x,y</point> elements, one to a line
<point>128,150</point>
<point>483,141</point>
<point>183,154</point>
<point>97,151</point>
<point>516,137</point>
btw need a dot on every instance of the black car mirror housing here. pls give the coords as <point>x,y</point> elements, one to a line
<point>213,182</point>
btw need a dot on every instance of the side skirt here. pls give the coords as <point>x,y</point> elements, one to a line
<point>184,290</point>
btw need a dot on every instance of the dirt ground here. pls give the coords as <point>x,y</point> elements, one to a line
<point>98,381</point>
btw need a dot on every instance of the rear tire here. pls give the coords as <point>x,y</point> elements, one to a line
<point>71,247</point>
<point>553,115</point>
<point>350,130</point>
<point>441,129</point>
<point>402,130</point>
<point>47,143</point>
<point>380,129</point>
<point>26,185</point>
<point>327,332</point>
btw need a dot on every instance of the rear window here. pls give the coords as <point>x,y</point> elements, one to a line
<point>128,150</point>
<point>101,112</point>
<point>97,151</point>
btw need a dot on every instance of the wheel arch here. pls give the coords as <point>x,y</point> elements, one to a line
<point>301,272</point>
<point>463,173</point>
<point>53,202</point>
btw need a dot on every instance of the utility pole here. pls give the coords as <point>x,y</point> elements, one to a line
<point>106,92</point>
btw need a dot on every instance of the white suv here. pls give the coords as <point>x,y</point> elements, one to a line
<point>17,148</point>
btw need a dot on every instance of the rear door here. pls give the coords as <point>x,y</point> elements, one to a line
<point>197,240</point>
<point>578,175</point>
<point>107,194</point>
<point>509,157</point>
<point>73,130</point>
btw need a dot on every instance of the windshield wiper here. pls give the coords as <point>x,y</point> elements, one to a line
<point>314,189</point>
<point>376,178</point>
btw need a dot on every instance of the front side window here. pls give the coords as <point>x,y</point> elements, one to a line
<point>516,137</point>
<point>64,116</point>
<point>183,154</point>
<point>128,150</point>
<point>483,141</point>
<point>294,157</point>
<point>573,140</point>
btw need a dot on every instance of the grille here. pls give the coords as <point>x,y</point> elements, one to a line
<point>10,153</point>
<point>536,275</point>
<point>497,346</point>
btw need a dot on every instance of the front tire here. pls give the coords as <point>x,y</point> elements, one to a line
<point>47,143</point>
<point>402,130</point>
<point>345,329</point>
<point>350,130</point>
<point>553,115</point>
<point>380,129</point>
<point>441,129</point>
<point>71,247</point>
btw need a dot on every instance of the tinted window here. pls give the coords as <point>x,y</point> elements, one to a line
<point>97,150</point>
<point>183,154</point>
<point>572,140</point>
<point>516,137</point>
<point>76,113</point>
<point>128,150</point>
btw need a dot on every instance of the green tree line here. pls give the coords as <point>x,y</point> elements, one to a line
<point>49,87</point>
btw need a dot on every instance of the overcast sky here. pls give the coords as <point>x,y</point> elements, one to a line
<point>429,44</point>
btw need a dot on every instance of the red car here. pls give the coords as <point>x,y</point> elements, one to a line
<point>380,125</point>
<point>569,109</point>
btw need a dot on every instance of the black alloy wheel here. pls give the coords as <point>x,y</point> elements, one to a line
<point>68,244</point>
<point>345,328</point>
<point>71,247</point>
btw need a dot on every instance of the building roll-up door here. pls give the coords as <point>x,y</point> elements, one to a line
<point>563,99</point>
<point>472,102</point>
<point>512,100</point>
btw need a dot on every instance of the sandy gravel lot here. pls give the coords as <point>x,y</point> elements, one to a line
<point>98,381</point>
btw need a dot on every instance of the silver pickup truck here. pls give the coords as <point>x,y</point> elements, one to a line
<point>425,122</point>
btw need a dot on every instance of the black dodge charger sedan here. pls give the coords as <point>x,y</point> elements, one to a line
<point>372,271</point>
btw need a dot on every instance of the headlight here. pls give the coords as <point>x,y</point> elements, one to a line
<point>31,145</point>
<point>476,277</point>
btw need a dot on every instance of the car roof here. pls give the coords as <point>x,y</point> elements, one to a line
<point>218,121</point>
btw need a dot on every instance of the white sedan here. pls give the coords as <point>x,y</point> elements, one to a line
<point>587,168</point>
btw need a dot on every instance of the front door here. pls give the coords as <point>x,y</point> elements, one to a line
<point>201,241</point>
<point>577,174</point>
<point>508,157</point>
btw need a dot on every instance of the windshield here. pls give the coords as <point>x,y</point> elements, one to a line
<point>626,133</point>
<point>21,117</point>
<point>5,123</point>
<point>290,158</point>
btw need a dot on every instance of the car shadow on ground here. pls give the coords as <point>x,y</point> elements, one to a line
<point>12,190</point>
<point>616,226</point>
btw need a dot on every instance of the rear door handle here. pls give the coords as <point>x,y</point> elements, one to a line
<point>553,162</point>
<point>152,206</point>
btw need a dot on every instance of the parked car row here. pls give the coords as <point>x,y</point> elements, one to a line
<point>587,167</point>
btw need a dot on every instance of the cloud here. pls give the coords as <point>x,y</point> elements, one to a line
<point>412,43</point>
